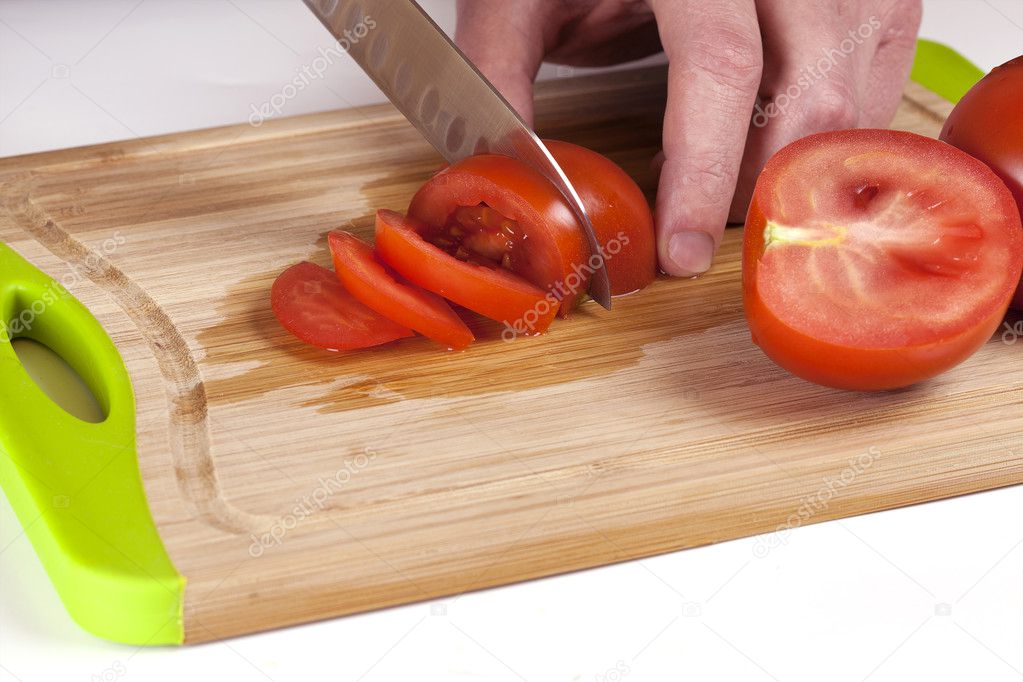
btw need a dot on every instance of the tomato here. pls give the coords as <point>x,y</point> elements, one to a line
<point>496,210</point>
<point>988,124</point>
<point>875,259</point>
<point>619,212</point>
<point>311,304</point>
<point>369,281</point>
<point>484,288</point>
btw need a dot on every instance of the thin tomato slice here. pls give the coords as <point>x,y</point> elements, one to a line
<point>875,259</point>
<point>371,283</point>
<point>310,302</point>
<point>490,291</point>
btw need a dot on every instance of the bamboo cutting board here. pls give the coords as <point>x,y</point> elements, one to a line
<point>289,484</point>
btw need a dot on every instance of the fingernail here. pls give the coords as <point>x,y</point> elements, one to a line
<point>691,253</point>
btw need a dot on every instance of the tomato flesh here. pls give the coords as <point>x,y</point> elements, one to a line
<point>877,259</point>
<point>477,234</point>
<point>311,303</point>
<point>369,281</point>
<point>988,124</point>
<point>493,292</point>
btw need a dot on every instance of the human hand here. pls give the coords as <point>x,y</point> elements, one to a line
<point>745,78</point>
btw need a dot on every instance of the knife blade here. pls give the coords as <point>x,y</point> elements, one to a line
<point>446,98</point>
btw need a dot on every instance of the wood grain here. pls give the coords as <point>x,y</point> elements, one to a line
<point>418,472</point>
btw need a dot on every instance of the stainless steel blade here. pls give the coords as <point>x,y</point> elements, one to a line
<point>443,95</point>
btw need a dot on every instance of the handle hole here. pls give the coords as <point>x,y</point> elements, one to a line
<point>51,336</point>
<point>58,380</point>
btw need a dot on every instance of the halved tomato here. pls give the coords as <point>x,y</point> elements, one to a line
<point>370,282</point>
<point>874,259</point>
<point>495,210</point>
<point>487,289</point>
<point>543,243</point>
<point>619,212</point>
<point>310,302</point>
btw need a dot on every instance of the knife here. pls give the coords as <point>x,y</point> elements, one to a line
<point>445,97</point>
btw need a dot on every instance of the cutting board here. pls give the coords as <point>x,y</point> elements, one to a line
<point>288,484</point>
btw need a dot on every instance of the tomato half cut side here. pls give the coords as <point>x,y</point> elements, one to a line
<point>369,281</point>
<point>310,302</point>
<point>875,259</point>
<point>489,290</point>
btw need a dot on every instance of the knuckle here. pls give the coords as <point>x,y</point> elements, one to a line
<point>832,106</point>
<point>730,55</point>
<point>709,179</point>
<point>901,19</point>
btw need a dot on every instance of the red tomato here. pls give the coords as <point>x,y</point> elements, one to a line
<point>875,259</point>
<point>619,212</point>
<point>486,289</point>
<point>988,124</point>
<point>496,210</point>
<point>368,281</point>
<point>311,304</point>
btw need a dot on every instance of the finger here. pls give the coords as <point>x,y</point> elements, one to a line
<point>714,67</point>
<point>816,81</point>
<point>892,62</point>
<point>506,43</point>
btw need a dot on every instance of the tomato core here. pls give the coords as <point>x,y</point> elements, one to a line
<point>479,234</point>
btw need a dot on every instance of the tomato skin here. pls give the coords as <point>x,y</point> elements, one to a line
<point>310,302</point>
<point>619,212</point>
<point>553,253</point>
<point>988,124</point>
<point>491,292</point>
<point>366,278</point>
<point>865,366</point>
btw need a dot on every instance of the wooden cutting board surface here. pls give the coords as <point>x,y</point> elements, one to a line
<point>409,472</point>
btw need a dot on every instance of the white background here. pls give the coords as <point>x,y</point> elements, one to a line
<point>933,592</point>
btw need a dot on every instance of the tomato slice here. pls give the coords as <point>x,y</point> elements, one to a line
<point>369,281</point>
<point>486,289</point>
<point>874,259</point>
<point>310,302</point>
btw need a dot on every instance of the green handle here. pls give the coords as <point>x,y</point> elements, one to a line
<point>944,71</point>
<point>74,485</point>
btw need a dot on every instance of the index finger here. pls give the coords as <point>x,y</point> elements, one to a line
<point>715,62</point>
<point>505,41</point>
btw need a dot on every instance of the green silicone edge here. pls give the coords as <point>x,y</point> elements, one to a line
<point>944,71</point>
<point>75,486</point>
